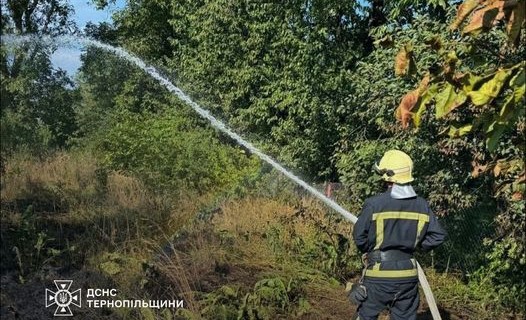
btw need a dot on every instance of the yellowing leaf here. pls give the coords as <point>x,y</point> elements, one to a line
<point>515,22</point>
<point>469,81</point>
<point>497,168</point>
<point>410,100</point>
<point>447,100</point>
<point>478,98</point>
<point>514,105</point>
<point>517,83</point>
<point>489,89</point>
<point>483,18</point>
<point>422,86</point>
<point>403,60</point>
<point>442,100</point>
<point>403,112</point>
<point>455,132</point>
<point>519,79</point>
<point>425,98</point>
<point>463,11</point>
<point>478,169</point>
<point>513,166</point>
<point>517,196</point>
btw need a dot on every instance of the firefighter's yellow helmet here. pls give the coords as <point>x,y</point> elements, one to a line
<point>395,166</point>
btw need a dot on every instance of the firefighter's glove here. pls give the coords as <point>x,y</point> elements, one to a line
<point>357,293</point>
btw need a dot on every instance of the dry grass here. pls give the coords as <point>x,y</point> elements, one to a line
<point>127,193</point>
<point>235,250</point>
<point>253,216</point>
<point>26,176</point>
<point>124,224</point>
<point>105,212</point>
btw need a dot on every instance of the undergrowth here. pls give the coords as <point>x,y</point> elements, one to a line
<point>259,256</point>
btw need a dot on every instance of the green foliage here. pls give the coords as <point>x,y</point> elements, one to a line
<point>497,280</point>
<point>20,133</point>
<point>39,16</point>
<point>479,101</point>
<point>168,156</point>
<point>37,101</point>
<point>313,83</point>
<point>273,71</point>
<point>270,297</point>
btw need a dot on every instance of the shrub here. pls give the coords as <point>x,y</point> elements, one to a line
<point>170,156</point>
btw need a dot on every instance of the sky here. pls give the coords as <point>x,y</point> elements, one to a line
<point>69,58</point>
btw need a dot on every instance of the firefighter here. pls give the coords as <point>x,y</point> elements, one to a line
<point>389,229</point>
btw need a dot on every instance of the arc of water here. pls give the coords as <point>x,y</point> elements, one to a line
<point>202,112</point>
<point>220,126</point>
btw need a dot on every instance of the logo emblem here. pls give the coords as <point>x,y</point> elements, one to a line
<point>63,298</point>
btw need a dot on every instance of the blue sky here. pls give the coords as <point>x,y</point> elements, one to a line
<point>69,58</point>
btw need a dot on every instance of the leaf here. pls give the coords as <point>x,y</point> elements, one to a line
<point>450,63</point>
<point>448,100</point>
<point>403,60</point>
<point>455,132</point>
<point>517,83</point>
<point>424,83</point>
<point>493,135</point>
<point>515,21</point>
<point>506,166</point>
<point>403,112</point>
<point>497,168</point>
<point>489,89</point>
<point>478,169</point>
<point>410,100</point>
<point>483,18</point>
<point>468,81</point>
<point>517,196</point>
<point>513,107</point>
<point>463,11</point>
<point>425,98</point>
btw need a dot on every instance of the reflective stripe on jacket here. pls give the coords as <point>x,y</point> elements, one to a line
<point>386,224</point>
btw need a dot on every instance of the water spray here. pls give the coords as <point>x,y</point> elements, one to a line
<point>72,40</point>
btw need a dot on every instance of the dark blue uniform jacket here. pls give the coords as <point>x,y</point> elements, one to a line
<point>387,224</point>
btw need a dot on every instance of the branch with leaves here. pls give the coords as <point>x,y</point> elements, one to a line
<point>488,104</point>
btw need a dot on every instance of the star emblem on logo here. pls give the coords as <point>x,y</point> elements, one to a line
<point>63,298</point>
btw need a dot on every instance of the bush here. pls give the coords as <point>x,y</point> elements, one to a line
<point>21,133</point>
<point>169,156</point>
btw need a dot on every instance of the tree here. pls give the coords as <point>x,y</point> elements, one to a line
<point>274,72</point>
<point>41,98</point>
<point>478,95</point>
